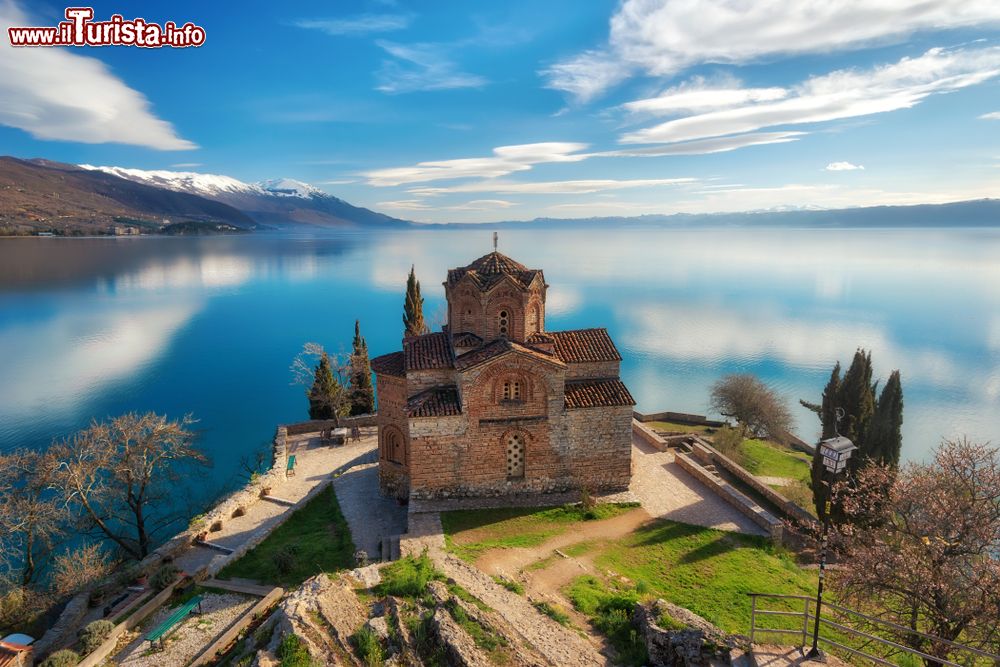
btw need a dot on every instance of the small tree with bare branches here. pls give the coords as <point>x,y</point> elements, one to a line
<point>326,382</point>
<point>120,474</point>
<point>923,543</point>
<point>753,405</point>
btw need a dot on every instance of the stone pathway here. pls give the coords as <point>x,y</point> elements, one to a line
<point>668,492</point>
<point>314,464</point>
<point>767,655</point>
<point>370,516</point>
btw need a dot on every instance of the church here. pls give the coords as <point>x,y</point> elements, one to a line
<point>494,404</point>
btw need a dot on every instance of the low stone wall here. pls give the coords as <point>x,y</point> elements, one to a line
<point>732,495</point>
<point>709,454</point>
<point>63,631</point>
<point>648,435</point>
<point>679,418</point>
<point>315,425</point>
<point>100,654</point>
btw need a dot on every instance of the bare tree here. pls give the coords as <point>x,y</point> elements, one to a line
<point>119,475</point>
<point>78,569</point>
<point>32,517</point>
<point>924,542</point>
<point>757,408</point>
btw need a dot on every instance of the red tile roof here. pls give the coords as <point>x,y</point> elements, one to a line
<point>497,348</point>
<point>428,352</point>
<point>597,394</point>
<point>466,339</point>
<point>490,269</point>
<point>389,364</point>
<point>584,345</point>
<point>435,402</point>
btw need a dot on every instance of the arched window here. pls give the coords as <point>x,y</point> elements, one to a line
<point>504,321</point>
<point>515,456</point>
<point>393,446</point>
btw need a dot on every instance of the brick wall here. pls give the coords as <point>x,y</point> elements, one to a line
<point>393,476</point>
<point>593,369</point>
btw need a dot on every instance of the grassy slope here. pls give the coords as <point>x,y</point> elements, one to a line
<point>674,427</point>
<point>515,526</point>
<point>766,458</point>
<point>318,538</point>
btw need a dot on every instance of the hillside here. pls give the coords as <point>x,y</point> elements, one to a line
<point>43,196</point>
<point>278,202</point>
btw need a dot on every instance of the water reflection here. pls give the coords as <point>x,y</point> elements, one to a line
<point>209,325</point>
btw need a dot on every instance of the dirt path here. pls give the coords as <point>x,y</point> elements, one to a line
<point>508,561</point>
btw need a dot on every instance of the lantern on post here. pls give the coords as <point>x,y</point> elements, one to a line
<point>836,451</point>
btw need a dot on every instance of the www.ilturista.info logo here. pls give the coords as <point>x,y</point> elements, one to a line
<point>80,30</point>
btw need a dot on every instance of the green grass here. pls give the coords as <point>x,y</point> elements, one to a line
<point>495,645</point>
<point>610,608</point>
<point>707,571</point>
<point>509,584</point>
<point>292,652</point>
<point>553,612</point>
<point>675,427</point>
<point>368,647</point>
<point>767,458</point>
<point>408,577</point>
<point>513,527</point>
<point>315,539</point>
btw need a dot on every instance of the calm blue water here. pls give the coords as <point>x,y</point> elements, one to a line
<point>95,327</point>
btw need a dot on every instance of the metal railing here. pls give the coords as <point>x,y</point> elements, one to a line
<point>841,620</point>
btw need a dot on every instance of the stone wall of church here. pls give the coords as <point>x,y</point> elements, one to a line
<point>592,369</point>
<point>392,427</point>
<point>599,445</point>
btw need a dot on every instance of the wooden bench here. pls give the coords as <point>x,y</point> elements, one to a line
<point>290,468</point>
<point>160,632</point>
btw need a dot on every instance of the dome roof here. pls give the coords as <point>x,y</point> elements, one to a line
<point>488,269</point>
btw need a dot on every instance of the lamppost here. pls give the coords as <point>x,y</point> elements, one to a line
<point>835,452</point>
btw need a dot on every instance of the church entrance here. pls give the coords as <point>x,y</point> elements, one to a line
<point>515,455</point>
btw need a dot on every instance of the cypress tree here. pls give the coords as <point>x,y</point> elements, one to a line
<point>324,395</point>
<point>857,399</point>
<point>827,411</point>
<point>362,394</point>
<point>413,308</point>
<point>885,438</point>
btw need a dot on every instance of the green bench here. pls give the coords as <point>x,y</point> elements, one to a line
<point>290,469</point>
<point>162,629</point>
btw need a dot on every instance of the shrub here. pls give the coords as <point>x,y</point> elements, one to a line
<point>94,635</point>
<point>408,577</point>
<point>285,558</point>
<point>368,647</point>
<point>64,658</point>
<point>164,576</point>
<point>729,442</point>
<point>553,612</point>
<point>292,652</point>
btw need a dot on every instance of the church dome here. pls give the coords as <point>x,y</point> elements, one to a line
<point>489,268</point>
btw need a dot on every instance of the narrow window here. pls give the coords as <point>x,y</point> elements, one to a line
<point>516,391</point>
<point>515,455</point>
<point>504,323</point>
<point>506,391</point>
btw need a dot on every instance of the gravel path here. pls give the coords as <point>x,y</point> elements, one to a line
<point>668,492</point>
<point>369,515</point>
<point>190,637</point>
<point>314,464</point>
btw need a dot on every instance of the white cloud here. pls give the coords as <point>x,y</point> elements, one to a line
<point>505,160</point>
<point>185,165</point>
<point>840,94</point>
<point>552,187</point>
<point>993,115</point>
<point>700,95</point>
<point>421,205</point>
<point>418,67</point>
<point>707,146</point>
<point>844,166</point>
<point>662,38</point>
<point>57,94</point>
<point>362,24</point>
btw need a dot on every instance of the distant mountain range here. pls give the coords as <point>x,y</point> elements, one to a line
<point>40,196</point>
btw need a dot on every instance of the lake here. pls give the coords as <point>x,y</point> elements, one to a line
<point>96,327</point>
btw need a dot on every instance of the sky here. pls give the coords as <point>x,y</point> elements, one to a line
<point>467,111</point>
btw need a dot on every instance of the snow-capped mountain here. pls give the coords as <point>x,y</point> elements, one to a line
<point>274,202</point>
